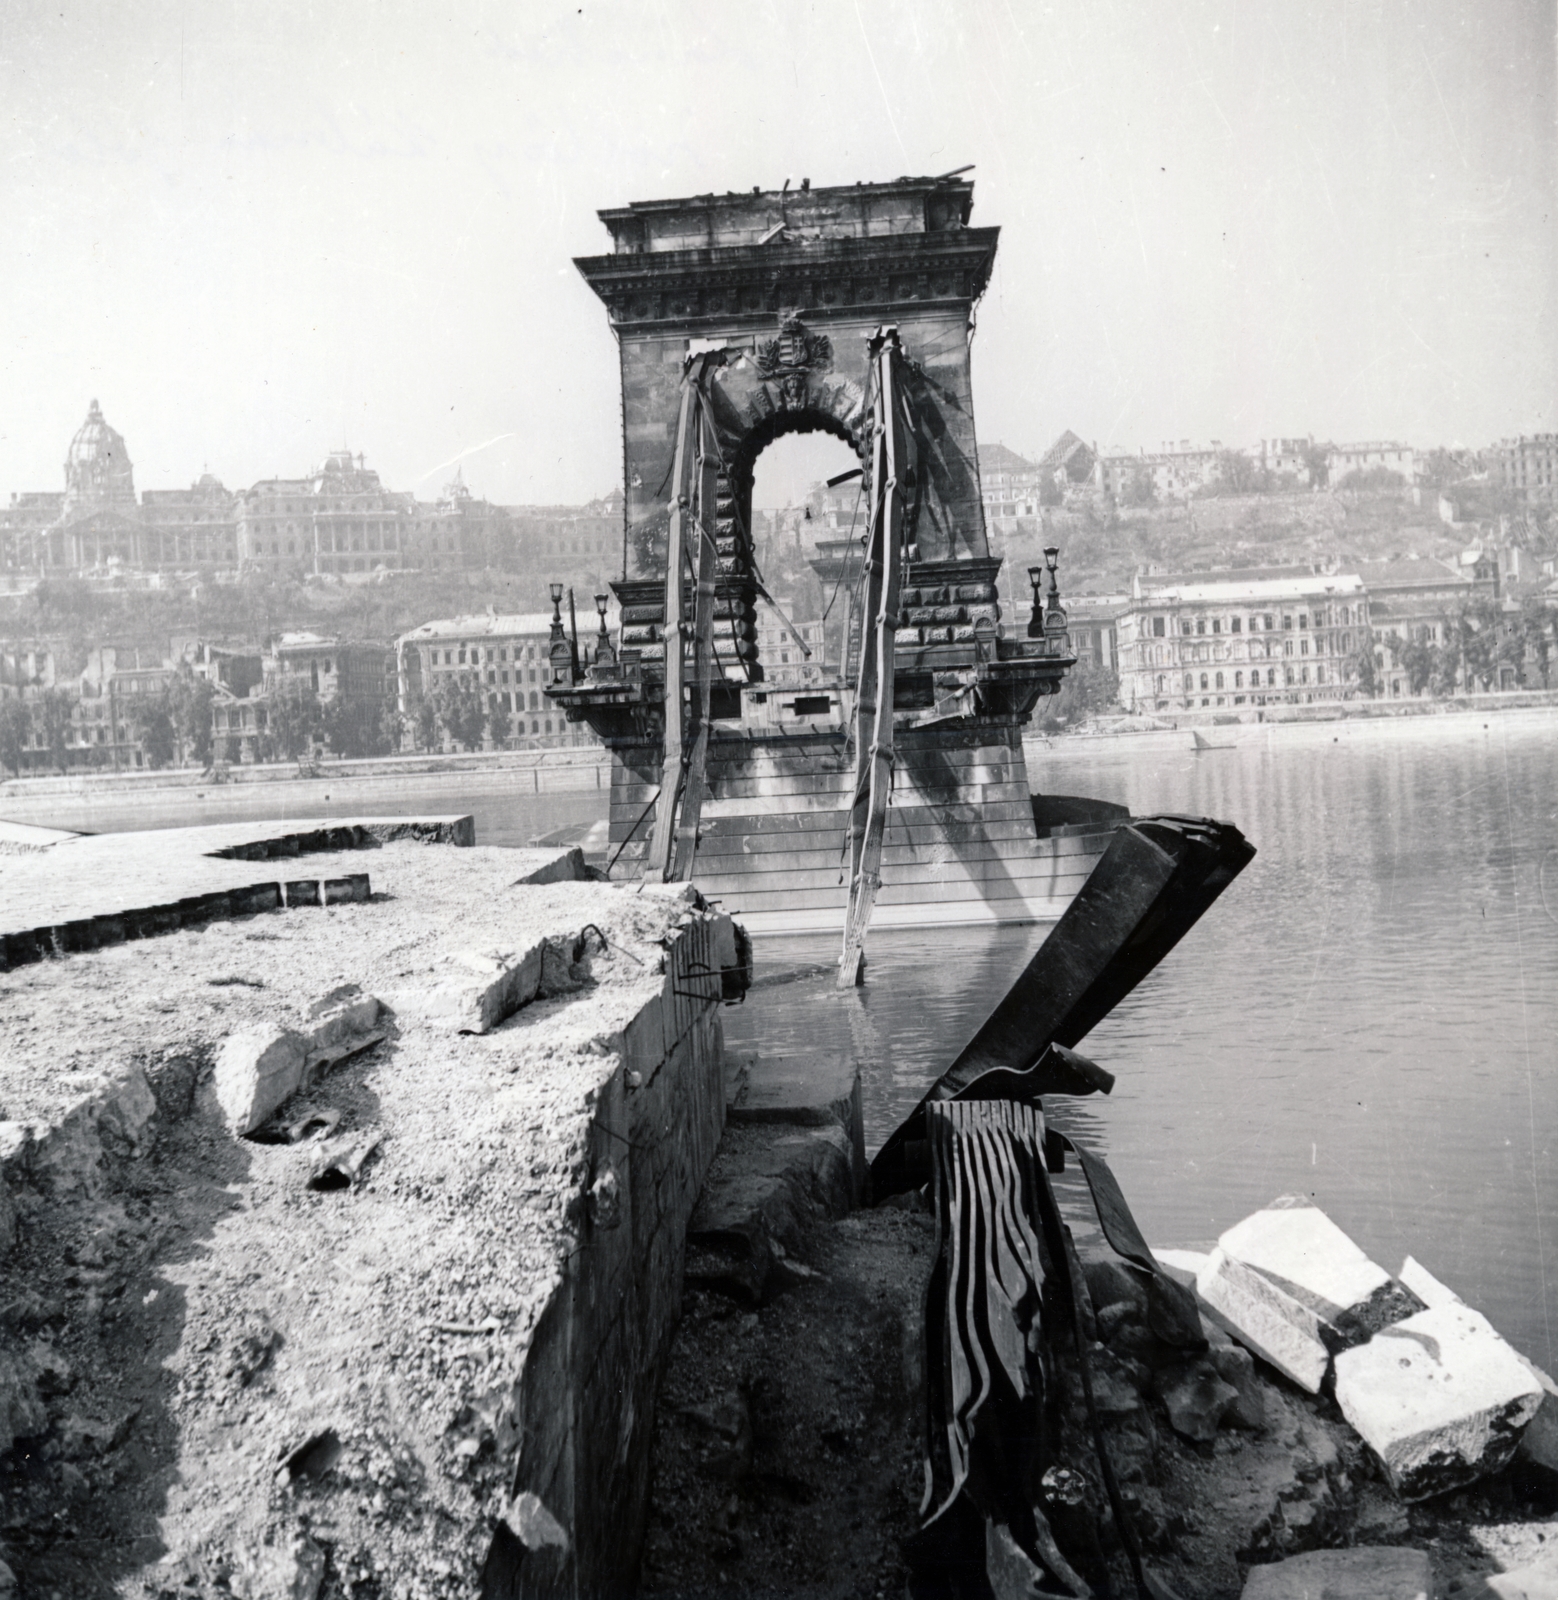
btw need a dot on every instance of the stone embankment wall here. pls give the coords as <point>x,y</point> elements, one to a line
<point>595,1365</point>
<point>343,1246</point>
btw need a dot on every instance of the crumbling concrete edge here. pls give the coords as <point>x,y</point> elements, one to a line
<point>576,1516</point>
<point>20,947</point>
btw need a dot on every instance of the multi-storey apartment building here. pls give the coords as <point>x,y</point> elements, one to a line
<point>503,656</point>
<point>1528,466</point>
<point>1175,471</point>
<point>1208,642</point>
<point>1413,600</point>
<point>785,664</point>
<point>569,541</point>
<point>1372,455</point>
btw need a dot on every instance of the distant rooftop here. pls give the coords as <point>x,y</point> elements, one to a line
<point>487,624</point>
<point>1235,589</point>
<point>1408,569</point>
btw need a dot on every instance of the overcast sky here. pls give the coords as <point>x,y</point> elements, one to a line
<point>260,232</point>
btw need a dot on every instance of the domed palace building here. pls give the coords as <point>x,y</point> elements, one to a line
<point>96,525</point>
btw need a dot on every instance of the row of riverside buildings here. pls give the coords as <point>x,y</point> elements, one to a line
<point>339,520</point>
<point>1198,641</point>
<point>1278,636</point>
<point>1014,487</point>
<point>369,695</point>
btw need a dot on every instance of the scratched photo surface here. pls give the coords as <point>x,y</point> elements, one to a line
<point>1273,301</point>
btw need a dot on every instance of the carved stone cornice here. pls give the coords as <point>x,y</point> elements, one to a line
<point>750,284</point>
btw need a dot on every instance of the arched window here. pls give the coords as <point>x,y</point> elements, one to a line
<point>1271,676</point>
<point>1203,680</point>
<point>1238,680</point>
<point>1219,680</point>
<point>1190,683</point>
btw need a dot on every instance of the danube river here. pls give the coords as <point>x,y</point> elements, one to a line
<point>1369,1015</point>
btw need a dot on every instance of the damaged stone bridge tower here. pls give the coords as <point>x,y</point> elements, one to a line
<point>771,305</point>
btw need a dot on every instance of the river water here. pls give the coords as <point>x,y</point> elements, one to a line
<point>1369,1015</point>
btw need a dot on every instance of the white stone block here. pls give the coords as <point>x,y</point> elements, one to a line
<point>1183,1266</point>
<point>1268,1320</point>
<point>1416,1277</point>
<point>1368,1572</point>
<point>256,1069</point>
<point>1440,1398</point>
<point>354,1015</point>
<point>500,984</point>
<point>1298,1248</point>
<point>1537,1580</point>
<point>1539,1443</point>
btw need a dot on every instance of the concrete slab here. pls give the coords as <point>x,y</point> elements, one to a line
<point>64,893</point>
<point>805,1091</point>
<point>1440,1398</point>
<point>1381,1572</point>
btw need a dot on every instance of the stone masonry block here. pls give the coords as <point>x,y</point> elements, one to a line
<point>812,1091</point>
<point>1537,1580</point>
<point>256,1069</point>
<point>1270,1322</point>
<point>1295,1245</point>
<point>499,983</point>
<point>643,1042</point>
<point>1380,1572</point>
<point>1539,1443</point>
<point>1440,1398</point>
<point>354,886</point>
<point>333,1023</point>
<point>1278,1328</point>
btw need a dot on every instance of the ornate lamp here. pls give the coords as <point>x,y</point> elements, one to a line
<point>1036,621</point>
<point>604,655</point>
<point>1054,613</point>
<point>558,653</point>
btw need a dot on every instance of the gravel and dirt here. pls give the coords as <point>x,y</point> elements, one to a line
<point>788,1449</point>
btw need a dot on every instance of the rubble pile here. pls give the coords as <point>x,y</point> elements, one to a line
<point>790,1440</point>
<point>289,1205</point>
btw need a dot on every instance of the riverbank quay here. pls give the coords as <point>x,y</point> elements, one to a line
<point>342,1242</point>
<point>280,787</point>
<point>1362,709</point>
<point>1437,721</point>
